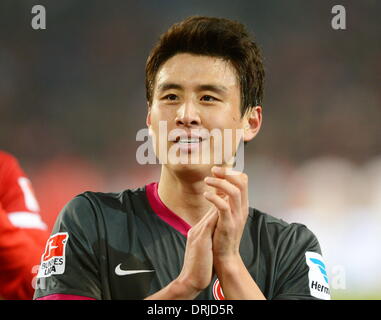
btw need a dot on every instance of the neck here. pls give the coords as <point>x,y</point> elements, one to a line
<point>182,192</point>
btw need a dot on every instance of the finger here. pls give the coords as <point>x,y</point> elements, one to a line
<point>221,204</point>
<point>211,222</point>
<point>240,180</point>
<point>212,211</point>
<point>207,221</point>
<point>228,188</point>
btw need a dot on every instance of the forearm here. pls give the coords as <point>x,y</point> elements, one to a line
<point>175,290</point>
<point>236,281</point>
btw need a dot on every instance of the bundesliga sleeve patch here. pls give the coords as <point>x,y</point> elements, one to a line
<point>53,259</point>
<point>317,276</point>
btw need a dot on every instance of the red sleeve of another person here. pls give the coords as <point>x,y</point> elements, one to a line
<point>23,234</point>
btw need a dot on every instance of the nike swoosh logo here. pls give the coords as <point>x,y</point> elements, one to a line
<point>121,272</point>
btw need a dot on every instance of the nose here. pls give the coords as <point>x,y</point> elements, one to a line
<point>188,115</point>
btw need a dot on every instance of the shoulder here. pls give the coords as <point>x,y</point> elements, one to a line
<point>8,162</point>
<point>6,157</point>
<point>122,200</point>
<point>95,204</point>
<point>279,229</point>
<point>97,215</point>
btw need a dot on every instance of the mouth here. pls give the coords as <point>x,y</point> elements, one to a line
<point>189,143</point>
<point>188,140</point>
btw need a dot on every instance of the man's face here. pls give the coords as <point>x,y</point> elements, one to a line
<point>194,95</point>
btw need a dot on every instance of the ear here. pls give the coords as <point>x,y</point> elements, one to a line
<point>252,123</point>
<point>148,119</point>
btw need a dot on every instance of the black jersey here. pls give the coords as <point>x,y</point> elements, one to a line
<point>129,245</point>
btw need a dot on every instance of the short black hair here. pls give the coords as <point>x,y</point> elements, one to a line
<point>215,37</point>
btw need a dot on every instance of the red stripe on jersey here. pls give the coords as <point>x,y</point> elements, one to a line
<point>62,296</point>
<point>164,212</point>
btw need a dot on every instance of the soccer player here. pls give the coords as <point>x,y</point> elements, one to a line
<point>23,234</point>
<point>192,235</point>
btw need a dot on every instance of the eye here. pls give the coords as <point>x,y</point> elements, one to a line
<point>170,97</point>
<point>208,98</point>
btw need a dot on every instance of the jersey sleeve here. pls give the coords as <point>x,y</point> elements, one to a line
<point>70,264</point>
<point>22,232</point>
<point>11,194</point>
<point>19,202</point>
<point>19,255</point>
<point>302,271</point>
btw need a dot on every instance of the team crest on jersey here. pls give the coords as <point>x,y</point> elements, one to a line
<point>53,259</point>
<point>317,276</point>
<point>217,291</point>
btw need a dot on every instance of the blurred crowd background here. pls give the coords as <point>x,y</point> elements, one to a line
<point>72,99</point>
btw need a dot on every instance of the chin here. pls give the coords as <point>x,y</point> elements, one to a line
<point>191,171</point>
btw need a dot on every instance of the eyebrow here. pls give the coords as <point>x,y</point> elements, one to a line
<point>212,87</point>
<point>202,87</point>
<point>167,86</point>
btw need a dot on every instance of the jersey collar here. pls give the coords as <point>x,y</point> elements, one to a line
<point>163,211</point>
